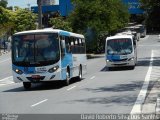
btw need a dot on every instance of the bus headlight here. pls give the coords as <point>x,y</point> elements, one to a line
<point>108,60</point>
<point>53,69</point>
<point>131,59</point>
<point>18,71</point>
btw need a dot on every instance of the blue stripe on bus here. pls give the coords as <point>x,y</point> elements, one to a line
<point>66,60</point>
<point>64,33</point>
<point>113,57</point>
<point>17,67</point>
<point>26,70</point>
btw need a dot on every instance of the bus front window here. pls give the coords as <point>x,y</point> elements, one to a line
<point>35,49</point>
<point>119,47</point>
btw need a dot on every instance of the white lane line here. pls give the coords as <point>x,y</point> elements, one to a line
<point>71,88</point>
<point>141,97</point>
<point>2,84</point>
<point>7,78</point>
<point>148,45</point>
<point>5,60</point>
<point>92,77</point>
<point>39,103</point>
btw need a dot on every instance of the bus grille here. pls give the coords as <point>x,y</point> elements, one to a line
<point>115,60</point>
<point>35,79</point>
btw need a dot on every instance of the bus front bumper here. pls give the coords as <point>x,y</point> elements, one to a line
<point>43,77</point>
<point>120,63</point>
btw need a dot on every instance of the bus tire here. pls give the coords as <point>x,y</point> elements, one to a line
<point>27,85</point>
<point>80,73</point>
<point>67,81</point>
<point>132,67</point>
<point>109,68</point>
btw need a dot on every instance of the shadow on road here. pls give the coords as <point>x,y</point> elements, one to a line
<point>121,94</point>
<point>146,61</point>
<point>90,56</point>
<point>108,101</point>
<point>44,86</point>
<point>118,88</point>
<point>116,69</point>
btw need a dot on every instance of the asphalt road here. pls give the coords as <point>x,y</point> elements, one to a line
<point>100,92</point>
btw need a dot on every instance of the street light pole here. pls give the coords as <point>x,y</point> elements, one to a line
<point>39,3</point>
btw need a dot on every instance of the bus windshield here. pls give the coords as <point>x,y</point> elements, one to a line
<point>119,46</point>
<point>35,49</point>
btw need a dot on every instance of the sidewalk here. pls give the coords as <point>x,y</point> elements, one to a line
<point>2,52</point>
<point>150,104</point>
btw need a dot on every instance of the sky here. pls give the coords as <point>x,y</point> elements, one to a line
<point>23,3</point>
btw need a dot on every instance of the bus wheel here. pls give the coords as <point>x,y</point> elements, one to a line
<point>27,85</point>
<point>109,68</point>
<point>67,81</point>
<point>80,73</point>
<point>132,67</point>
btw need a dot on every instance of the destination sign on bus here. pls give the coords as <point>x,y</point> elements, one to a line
<point>120,40</point>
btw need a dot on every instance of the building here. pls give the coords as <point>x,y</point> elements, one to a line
<point>48,2</point>
<point>65,7</point>
<point>133,6</point>
<point>48,6</point>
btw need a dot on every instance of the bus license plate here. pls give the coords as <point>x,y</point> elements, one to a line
<point>41,69</point>
<point>123,57</point>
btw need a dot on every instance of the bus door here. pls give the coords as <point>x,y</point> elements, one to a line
<point>66,59</point>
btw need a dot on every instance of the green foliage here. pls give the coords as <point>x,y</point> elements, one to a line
<point>25,20</point>
<point>60,23</point>
<point>15,21</point>
<point>6,20</point>
<point>3,3</point>
<point>152,8</point>
<point>98,16</point>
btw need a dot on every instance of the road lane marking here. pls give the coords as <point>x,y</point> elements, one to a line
<point>7,78</point>
<point>7,81</point>
<point>148,45</point>
<point>39,103</point>
<point>3,84</point>
<point>71,88</point>
<point>5,60</point>
<point>141,97</point>
<point>92,77</point>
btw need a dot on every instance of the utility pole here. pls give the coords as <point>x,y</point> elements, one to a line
<point>39,3</point>
<point>29,6</point>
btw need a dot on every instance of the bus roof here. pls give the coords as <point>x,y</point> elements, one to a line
<point>119,37</point>
<point>50,30</point>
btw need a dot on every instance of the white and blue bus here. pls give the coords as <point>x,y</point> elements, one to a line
<point>120,50</point>
<point>47,55</point>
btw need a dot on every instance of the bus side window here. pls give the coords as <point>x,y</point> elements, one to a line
<point>62,46</point>
<point>84,46</point>
<point>68,44</point>
<point>73,45</point>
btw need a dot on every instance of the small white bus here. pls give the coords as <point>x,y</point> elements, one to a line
<point>120,50</point>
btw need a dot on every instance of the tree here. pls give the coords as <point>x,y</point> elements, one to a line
<point>98,17</point>
<point>25,20</point>
<point>60,23</point>
<point>3,3</point>
<point>152,8</point>
<point>6,20</point>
